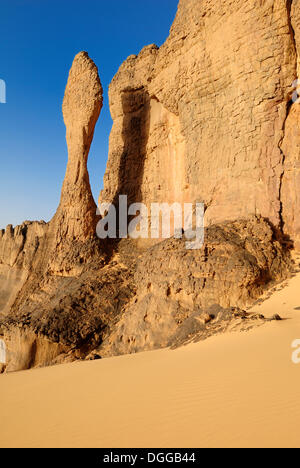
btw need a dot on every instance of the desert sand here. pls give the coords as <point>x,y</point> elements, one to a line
<point>232,390</point>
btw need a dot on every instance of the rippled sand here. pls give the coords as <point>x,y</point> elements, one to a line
<point>238,389</point>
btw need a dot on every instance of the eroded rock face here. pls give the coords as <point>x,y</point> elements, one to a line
<point>238,260</point>
<point>18,248</point>
<point>203,118</point>
<point>147,151</point>
<point>68,318</point>
<point>25,349</point>
<point>290,147</point>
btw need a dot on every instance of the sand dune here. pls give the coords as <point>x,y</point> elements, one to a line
<point>234,390</point>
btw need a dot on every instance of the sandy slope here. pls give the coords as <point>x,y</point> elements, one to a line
<point>237,389</point>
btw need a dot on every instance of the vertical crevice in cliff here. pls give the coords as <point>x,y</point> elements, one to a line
<point>283,157</point>
<point>289,104</point>
<point>289,15</point>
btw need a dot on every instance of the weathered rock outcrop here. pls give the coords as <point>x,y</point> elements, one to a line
<point>208,117</point>
<point>232,269</point>
<point>18,248</point>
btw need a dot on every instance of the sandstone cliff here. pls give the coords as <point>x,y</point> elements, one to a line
<point>208,117</point>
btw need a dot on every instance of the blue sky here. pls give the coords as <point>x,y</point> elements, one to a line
<point>39,39</point>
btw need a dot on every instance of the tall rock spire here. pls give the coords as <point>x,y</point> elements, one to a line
<point>76,214</point>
